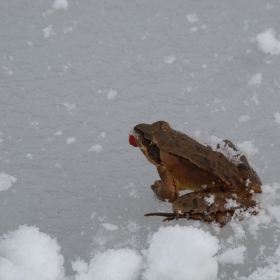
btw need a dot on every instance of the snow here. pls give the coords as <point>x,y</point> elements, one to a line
<point>233,255</point>
<point>112,94</point>
<point>71,140</point>
<point>60,5</point>
<point>182,253</point>
<point>231,203</point>
<point>90,70</point>
<point>58,133</point>
<point>268,272</point>
<point>209,200</point>
<point>169,59</point>
<point>277,117</point>
<point>27,253</point>
<point>244,118</point>
<point>248,148</point>
<point>256,80</point>
<point>110,226</point>
<point>48,31</point>
<point>6,181</point>
<point>122,264</point>
<point>192,18</point>
<point>29,156</point>
<point>69,106</point>
<point>268,43</point>
<point>96,148</point>
<point>214,141</point>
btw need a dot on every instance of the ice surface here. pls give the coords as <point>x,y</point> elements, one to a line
<point>93,70</point>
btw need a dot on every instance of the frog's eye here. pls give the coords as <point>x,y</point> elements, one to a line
<point>146,142</point>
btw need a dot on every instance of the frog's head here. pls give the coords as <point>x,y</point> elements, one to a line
<point>145,137</point>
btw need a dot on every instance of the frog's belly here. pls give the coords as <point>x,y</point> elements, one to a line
<point>187,175</point>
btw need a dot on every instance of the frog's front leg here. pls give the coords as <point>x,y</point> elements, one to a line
<point>165,189</point>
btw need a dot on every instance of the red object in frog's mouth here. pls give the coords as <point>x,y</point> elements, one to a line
<point>132,140</point>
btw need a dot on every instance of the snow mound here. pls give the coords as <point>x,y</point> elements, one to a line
<point>121,264</point>
<point>6,181</point>
<point>268,43</point>
<point>27,253</point>
<point>182,253</point>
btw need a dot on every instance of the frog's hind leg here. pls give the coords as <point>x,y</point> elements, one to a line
<point>219,207</point>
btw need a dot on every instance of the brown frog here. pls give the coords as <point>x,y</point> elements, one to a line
<point>220,187</point>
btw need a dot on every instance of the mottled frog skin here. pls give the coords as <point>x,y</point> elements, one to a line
<point>219,186</point>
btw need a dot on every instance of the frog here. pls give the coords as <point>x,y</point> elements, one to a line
<point>219,187</point>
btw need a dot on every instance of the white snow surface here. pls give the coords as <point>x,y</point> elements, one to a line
<point>181,253</point>
<point>27,253</point>
<point>121,264</point>
<point>90,70</point>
